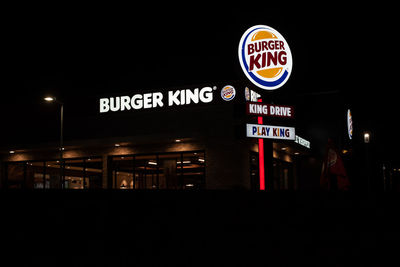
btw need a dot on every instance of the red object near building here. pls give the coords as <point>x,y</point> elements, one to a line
<point>333,176</point>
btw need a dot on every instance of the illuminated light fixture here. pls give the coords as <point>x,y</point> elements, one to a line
<point>184,162</point>
<point>344,151</point>
<point>297,153</point>
<point>178,140</point>
<point>152,163</point>
<point>61,148</point>
<point>89,159</point>
<point>284,148</point>
<point>201,160</point>
<point>117,145</point>
<point>189,185</point>
<point>122,157</point>
<point>49,98</point>
<point>367,137</point>
<point>12,151</point>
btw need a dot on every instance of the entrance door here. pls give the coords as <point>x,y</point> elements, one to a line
<point>283,175</point>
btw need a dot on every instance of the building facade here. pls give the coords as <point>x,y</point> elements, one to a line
<point>169,139</point>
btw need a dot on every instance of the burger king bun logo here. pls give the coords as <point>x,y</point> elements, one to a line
<point>349,124</point>
<point>265,57</point>
<point>228,92</point>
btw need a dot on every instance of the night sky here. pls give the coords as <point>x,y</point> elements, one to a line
<point>342,58</point>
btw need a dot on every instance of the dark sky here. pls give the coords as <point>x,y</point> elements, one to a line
<point>341,57</point>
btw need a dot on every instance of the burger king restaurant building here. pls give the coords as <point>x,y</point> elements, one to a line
<point>208,136</point>
<point>190,138</point>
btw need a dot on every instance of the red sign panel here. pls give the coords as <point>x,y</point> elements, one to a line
<point>261,109</point>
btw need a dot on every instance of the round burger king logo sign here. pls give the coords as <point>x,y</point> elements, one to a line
<point>265,57</point>
<point>228,93</point>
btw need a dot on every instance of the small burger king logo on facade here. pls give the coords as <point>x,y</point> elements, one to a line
<point>228,93</point>
<point>349,124</point>
<point>265,57</point>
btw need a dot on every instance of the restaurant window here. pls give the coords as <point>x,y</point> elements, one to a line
<point>84,173</point>
<point>53,171</point>
<point>254,171</point>
<point>80,173</point>
<point>146,172</point>
<point>40,178</point>
<point>192,167</point>
<point>159,171</point>
<point>122,172</point>
<point>168,174</point>
<point>283,174</point>
<point>94,172</point>
<point>74,174</point>
<point>15,175</point>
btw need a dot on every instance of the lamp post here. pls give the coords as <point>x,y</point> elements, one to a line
<point>367,137</point>
<point>52,99</point>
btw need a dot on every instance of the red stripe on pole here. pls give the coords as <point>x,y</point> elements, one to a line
<point>261,155</point>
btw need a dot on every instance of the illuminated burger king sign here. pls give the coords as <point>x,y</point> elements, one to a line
<point>228,93</point>
<point>265,57</point>
<point>169,98</point>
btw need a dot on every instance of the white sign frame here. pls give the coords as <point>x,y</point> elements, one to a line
<point>270,132</point>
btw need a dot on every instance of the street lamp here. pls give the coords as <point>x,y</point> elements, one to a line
<point>49,98</point>
<point>52,99</point>
<point>367,139</point>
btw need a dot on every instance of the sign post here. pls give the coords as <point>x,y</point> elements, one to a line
<point>261,154</point>
<point>266,60</point>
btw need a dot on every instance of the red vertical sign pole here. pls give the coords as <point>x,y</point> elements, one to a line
<point>261,155</point>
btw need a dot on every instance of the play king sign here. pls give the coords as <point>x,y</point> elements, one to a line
<point>270,132</point>
<point>265,57</point>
